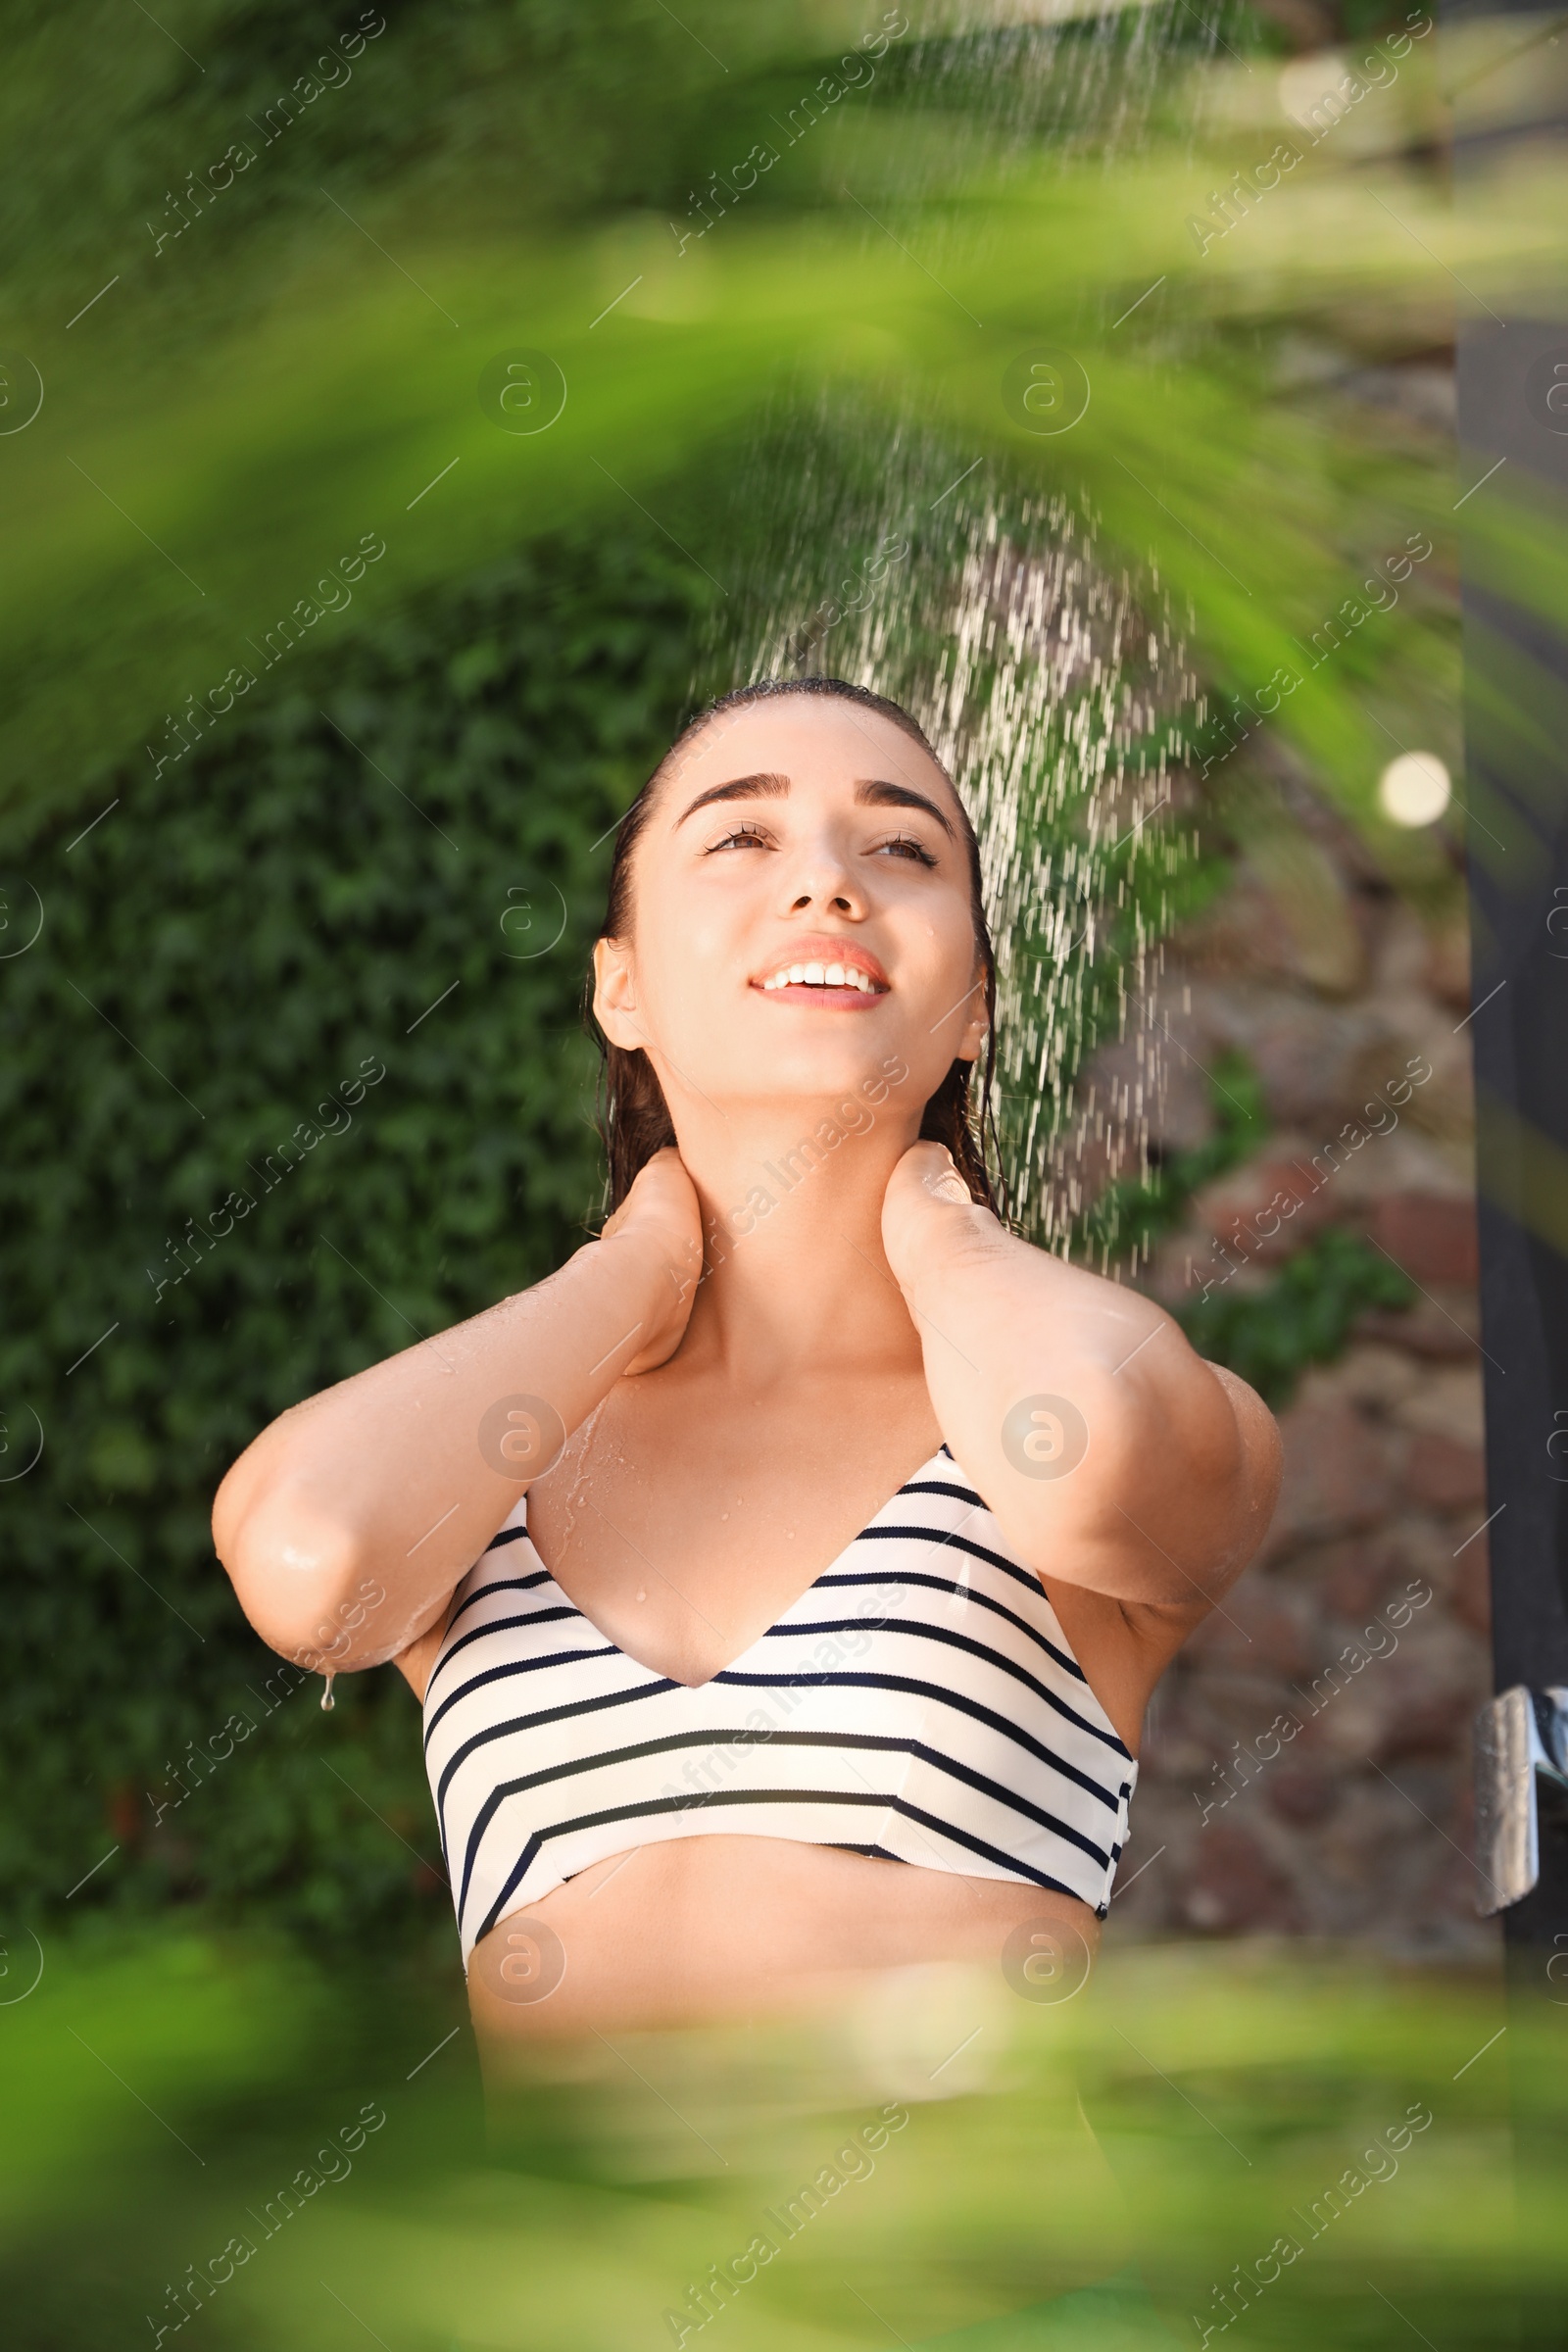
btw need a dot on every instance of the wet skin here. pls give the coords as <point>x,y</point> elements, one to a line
<point>743,1388</point>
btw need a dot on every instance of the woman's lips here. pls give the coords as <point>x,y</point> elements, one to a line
<point>824,970</point>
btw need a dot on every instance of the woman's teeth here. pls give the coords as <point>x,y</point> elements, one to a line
<point>823,975</point>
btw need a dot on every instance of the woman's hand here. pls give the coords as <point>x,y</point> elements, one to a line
<point>395,1480</point>
<point>662,1213</point>
<point>928,1210</point>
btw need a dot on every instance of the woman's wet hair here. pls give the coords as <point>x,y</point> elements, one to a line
<point>634,1118</point>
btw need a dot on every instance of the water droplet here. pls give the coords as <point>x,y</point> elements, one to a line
<point>328,1702</point>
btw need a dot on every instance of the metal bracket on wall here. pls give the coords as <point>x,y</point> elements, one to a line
<point>1518,1734</point>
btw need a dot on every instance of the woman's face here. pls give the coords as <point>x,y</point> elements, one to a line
<point>801,915</point>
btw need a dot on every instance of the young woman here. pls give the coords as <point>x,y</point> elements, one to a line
<point>784,1579</point>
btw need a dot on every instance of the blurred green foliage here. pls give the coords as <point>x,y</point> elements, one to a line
<point>1303,1316</point>
<point>212,1207</point>
<point>159,2094</point>
<point>300,362</point>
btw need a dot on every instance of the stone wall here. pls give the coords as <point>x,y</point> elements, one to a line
<point>1307,1767</point>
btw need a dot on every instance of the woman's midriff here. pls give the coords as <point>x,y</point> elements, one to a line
<point>693,1929</point>
<point>839,2070</point>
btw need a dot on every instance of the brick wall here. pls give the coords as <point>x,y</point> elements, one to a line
<point>1307,1766</point>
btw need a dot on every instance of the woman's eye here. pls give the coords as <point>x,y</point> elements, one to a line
<point>744,837</point>
<point>903,844</point>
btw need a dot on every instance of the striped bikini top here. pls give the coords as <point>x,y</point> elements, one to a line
<point>918,1703</point>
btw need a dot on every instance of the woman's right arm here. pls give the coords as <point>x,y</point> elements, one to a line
<point>391,1484</point>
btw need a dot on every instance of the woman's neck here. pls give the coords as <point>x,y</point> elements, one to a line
<point>795,1273</point>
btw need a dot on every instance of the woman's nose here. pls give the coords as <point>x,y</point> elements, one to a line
<point>823,879</point>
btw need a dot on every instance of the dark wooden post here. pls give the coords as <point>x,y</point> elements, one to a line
<point>1513,436</point>
<point>1513,452</point>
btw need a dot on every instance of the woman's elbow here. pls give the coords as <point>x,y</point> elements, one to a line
<point>1260,1466</point>
<point>293,1567</point>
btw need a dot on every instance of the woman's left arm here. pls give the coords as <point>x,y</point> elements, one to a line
<point>1110,1453</point>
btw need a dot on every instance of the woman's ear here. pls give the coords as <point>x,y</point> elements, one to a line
<point>616,994</point>
<point>971,1045</point>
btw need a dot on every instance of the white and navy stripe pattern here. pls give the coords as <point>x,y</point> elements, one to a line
<point>918,1703</point>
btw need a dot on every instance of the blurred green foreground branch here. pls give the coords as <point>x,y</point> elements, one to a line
<point>237,410</point>
<point>303,2162</point>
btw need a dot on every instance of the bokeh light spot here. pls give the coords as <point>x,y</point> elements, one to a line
<point>1414,788</point>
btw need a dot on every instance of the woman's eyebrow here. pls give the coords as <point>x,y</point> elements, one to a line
<point>873,792</point>
<point>744,788</point>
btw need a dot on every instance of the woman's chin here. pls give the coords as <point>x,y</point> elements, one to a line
<point>809,1077</point>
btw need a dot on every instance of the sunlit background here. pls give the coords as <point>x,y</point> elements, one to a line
<point>406,417</point>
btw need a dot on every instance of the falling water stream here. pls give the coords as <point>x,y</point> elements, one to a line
<point>1053,682</point>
